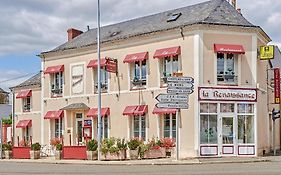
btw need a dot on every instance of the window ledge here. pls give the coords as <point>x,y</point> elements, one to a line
<point>138,88</point>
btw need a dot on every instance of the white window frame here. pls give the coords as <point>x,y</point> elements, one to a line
<point>24,103</point>
<point>95,80</point>
<point>59,129</point>
<point>162,68</point>
<point>60,84</point>
<point>133,73</point>
<point>236,77</point>
<point>140,126</point>
<point>171,116</point>
<point>103,128</point>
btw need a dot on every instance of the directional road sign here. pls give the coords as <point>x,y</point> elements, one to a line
<point>179,85</point>
<point>172,105</point>
<point>181,98</point>
<point>180,91</point>
<point>180,79</point>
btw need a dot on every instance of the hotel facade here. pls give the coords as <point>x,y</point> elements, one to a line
<point>212,42</point>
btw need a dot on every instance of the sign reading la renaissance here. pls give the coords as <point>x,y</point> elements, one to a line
<point>227,94</point>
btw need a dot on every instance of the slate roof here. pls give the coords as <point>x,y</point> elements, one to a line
<point>215,12</point>
<point>75,106</point>
<point>33,81</point>
<point>2,91</point>
<point>5,110</point>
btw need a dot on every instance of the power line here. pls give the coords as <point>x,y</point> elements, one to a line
<point>19,77</point>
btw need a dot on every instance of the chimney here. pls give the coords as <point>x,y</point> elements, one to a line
<point>72,33</point>
<point>239,10</point>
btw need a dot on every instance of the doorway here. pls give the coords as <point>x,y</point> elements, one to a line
<point>227,141</point>
<point>79,128</point>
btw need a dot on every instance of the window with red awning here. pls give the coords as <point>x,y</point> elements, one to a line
<point>167,52</point>
<point>93,112</point>
<point>229,48</point>
<point>135,110</point>
<point>54,69</point>
<point>24,123</point>
<point>54,114</point>
<point>131,58</point>
<point>94,63</point>
<point>160,111</point>
<point>24,94</point>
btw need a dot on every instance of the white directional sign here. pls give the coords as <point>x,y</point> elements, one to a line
<point>180,91</point>
<point>180,79</point>
<point>179,85</point>
<point>183,98</point>
<point>172,105</point>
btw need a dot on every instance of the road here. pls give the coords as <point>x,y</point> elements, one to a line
<point>260,168</point>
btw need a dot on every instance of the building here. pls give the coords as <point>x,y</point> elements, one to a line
<point>27,110</point>
<point>211,42</point>
<point>4,97</point>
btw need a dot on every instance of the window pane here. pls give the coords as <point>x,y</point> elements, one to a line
<point>167,125</point>
<point>227,130</point>
<point>143,126</point>
<point>137,70</point>
<point>167,67</point>
<point>227,107</point>
<point>105,121</point>
<point>220,64</point>
<point>175,64</point>
<point>208,129</point>
<point>208,108</point>
<point>174,125</point>
<point>136,126</point>
<point>245,129</point>
<point>245,108</point>
<point>143,70</point>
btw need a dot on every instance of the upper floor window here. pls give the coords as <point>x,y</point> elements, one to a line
<point>104,80</point>
<point>169,65</point>
<point>77,76</point>
<point>26,104</point>
<point>227,68</point>
<point>139,72</point>
<point>57,84</point>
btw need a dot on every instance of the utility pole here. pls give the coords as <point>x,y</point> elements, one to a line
<point>1,141</point>
<point>99,81</point>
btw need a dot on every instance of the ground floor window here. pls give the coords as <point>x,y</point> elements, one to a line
<point>245,129</point>
<point>104,127</point>
<point>170,125</point>
<point>139,127</point>
<point>208,131</point>
<point>58,128</point>
<point>27,133</point>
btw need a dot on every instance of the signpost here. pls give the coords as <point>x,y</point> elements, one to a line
<point>177,98</point>
<point>266,52</point>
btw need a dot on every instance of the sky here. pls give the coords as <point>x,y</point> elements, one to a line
<point>29,27</point>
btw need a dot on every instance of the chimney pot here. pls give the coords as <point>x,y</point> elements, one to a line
<point>73,33</point>
<point>239,10</point>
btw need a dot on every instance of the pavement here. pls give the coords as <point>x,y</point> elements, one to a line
<point>168,161</point>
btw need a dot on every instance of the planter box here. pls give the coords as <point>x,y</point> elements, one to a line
<point>74,152</point>
<point>34,154</point>
<point>21,152</point>
<point>155,153</point>
<point>58,155</point>
<point>134,154</point>
<point>171,152</point>
<point>8,154</point>
<point>92,155</point>
<point>121,155</point>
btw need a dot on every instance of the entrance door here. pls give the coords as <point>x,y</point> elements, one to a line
<point>79,128</point>
<point>227,135</point>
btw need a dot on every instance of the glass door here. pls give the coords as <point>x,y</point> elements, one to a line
<point>227,135</point>
<point>79,128</point>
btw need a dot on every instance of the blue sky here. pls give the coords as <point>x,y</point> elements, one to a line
<point>28,27</point>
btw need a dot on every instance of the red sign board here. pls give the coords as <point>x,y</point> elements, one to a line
<point>111,66</point>
<point>276,85</point>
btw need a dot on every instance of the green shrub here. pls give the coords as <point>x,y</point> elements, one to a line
<point>36,147</point>
<point>109,145</point>
<point>59,147</point>
<point>7,146</point>
<point>134,144</point>
<point>92,145</point>
<point>121,144</point>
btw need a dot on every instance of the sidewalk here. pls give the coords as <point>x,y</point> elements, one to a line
<point>51,160</point>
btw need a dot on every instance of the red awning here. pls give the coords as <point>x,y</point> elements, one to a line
<point>94,112</point>
<point>54,114</point>
<point>94,63</point>
<point>160,111</point>
<point>167,52</point>
<point>228,48</point>
<point>24,93</point>
<point>24,123</point>
<point>135,110</point>
<point>54,69</point>
<point>136,57</point>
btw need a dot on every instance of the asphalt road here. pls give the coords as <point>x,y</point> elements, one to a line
<point>260,168</point>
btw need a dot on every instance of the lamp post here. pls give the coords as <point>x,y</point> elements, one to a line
<point>99,80</point>
<point>1,141</point>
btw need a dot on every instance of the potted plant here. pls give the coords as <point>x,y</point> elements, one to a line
<point>154,149</point>
<point>134,145</point>
<point>58,152</point>
<point>35,151</point>
<point>122,148</point>
<point>92,153</point>
<point>57,146</point>
<point>7,148</point>
<point>169,145</point>
<point>109,149</point>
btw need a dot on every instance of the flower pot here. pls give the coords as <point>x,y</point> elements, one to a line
<point>8,154</point>
<point>120,155</point>
<point>155,153</point>
<point>134,154</point>
<point>170,152</point>
<point>92,155</point>
<point>58,154</point>
<point>34,154</point>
